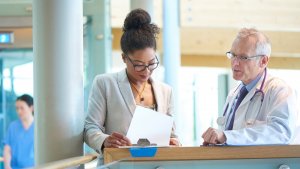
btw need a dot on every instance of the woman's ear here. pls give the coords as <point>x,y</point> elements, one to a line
<point>123,57</point>
<point>32,109</point>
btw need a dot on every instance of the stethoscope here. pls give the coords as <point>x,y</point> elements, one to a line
<point>221,120</point>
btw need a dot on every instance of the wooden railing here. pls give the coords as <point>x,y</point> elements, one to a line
<point>70,162</point>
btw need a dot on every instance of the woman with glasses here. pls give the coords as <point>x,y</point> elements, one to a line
<point>114,97</point>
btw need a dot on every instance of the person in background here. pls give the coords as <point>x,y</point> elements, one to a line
<point>19,140</point>
<point>262,109</point>
<point>114,97</point>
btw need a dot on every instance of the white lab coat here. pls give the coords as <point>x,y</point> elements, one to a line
<point>272,122</point>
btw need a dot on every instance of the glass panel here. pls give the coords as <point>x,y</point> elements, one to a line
<point>16,75</point>
<point>212,164</point>
<point>196,113</point>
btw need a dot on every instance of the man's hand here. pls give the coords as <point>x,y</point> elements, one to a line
<point>213,136</point>
<point>116,140</point>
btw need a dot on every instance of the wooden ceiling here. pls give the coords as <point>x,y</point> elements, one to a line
<point>275,15</point>
<point>208,27</point>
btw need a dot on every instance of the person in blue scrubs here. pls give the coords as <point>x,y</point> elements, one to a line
<point>19,141</point>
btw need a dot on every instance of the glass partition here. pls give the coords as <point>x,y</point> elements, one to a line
<point>16,74</point>
<point>212,164</point>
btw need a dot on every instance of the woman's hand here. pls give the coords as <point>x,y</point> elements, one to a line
<point>174,142</point>
<point>116,140</point>
<point>7,157</point>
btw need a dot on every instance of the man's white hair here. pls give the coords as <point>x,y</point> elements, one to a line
<point>263,44</point>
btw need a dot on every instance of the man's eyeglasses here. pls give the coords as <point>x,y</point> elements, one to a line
<point>140,67</point>
<point>241,58</point>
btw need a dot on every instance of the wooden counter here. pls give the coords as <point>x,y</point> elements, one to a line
<point>207,153</point>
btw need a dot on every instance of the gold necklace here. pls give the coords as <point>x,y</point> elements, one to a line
<point>140,94</point>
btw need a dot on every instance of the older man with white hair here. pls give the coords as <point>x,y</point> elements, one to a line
<point>262,109</point>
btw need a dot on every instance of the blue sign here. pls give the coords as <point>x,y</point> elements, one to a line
<point>143,151</point>
<point>6,37</point>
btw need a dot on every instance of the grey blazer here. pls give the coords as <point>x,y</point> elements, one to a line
<point>111,107</point>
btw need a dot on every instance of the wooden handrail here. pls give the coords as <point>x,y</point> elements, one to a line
<point>207,153</point>
<point>69,162</point>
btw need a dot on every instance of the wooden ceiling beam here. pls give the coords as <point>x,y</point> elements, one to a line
<point>217,41</point>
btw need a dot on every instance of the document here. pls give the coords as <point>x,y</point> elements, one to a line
<point>152,125</point>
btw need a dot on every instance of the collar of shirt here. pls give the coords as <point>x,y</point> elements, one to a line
<point>252,83</point>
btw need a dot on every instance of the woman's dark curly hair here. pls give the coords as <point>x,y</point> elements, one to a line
<point>138,32</point>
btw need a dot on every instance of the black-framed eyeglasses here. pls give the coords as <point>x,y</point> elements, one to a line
<point>232,56</point>
<point>140,67</point>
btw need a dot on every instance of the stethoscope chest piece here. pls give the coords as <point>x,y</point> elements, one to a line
<point>250,122</point>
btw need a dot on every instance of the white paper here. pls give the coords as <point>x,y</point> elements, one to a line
<point>154,126</point>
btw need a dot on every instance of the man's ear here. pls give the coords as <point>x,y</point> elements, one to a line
<point>264,61</point>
